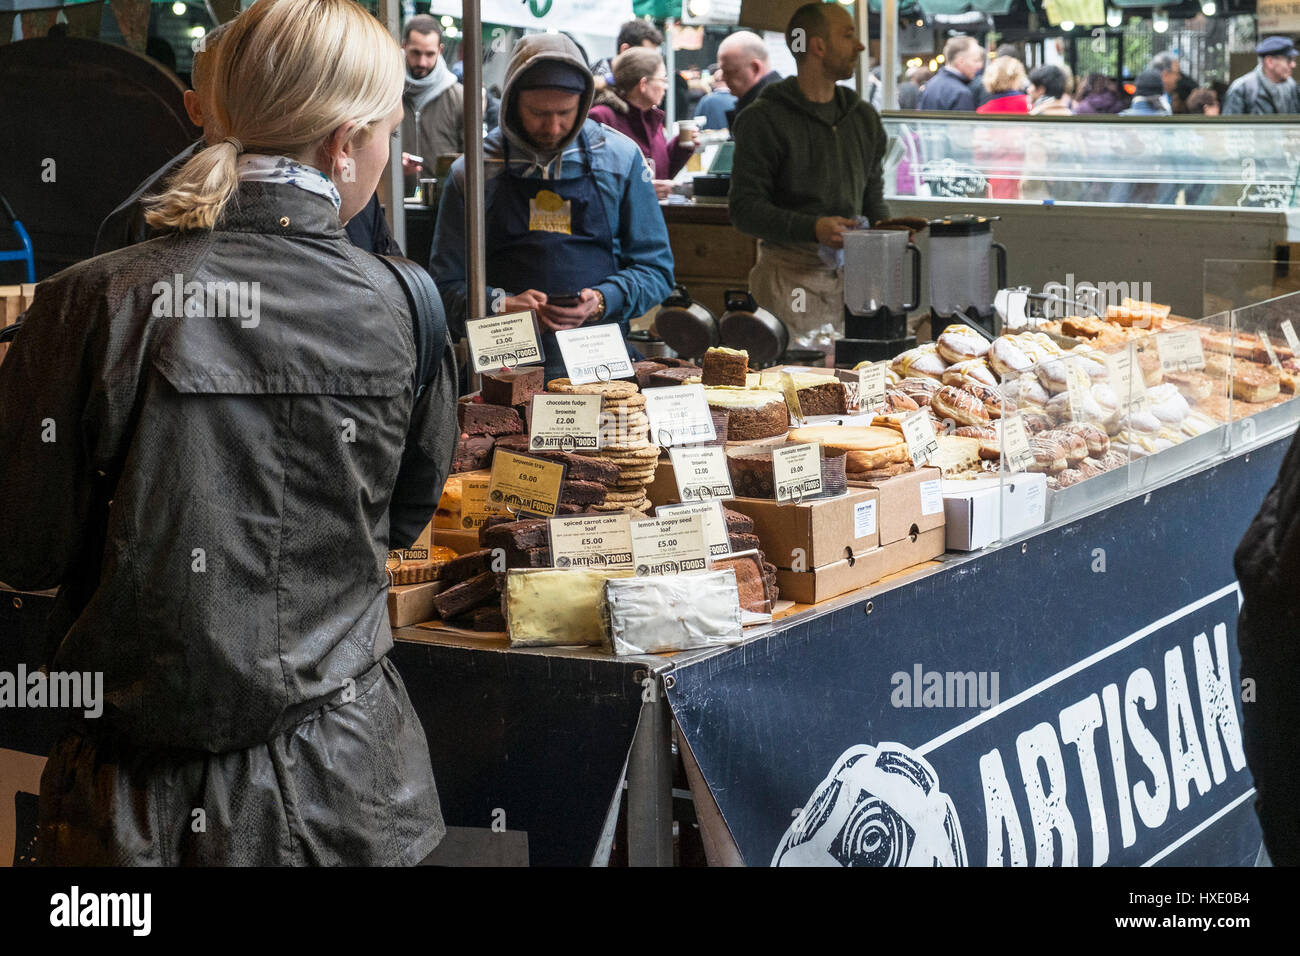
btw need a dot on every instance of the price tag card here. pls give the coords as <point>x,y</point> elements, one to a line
<point>872,382</point>
<point>591,541</point>
<point>674,544</point>
<point>475,507</point>
<point>521,484</point>
<point>678,415</point>
<point>797,471</point>
<point>1288,330</point>
<point>565,422</point>
<point>1268,348</point>
<point>1180,351</point>
<point>508,340</point>
<point>1015,443</point>
<point>1078,386</point>
<point>715,525</point>
<point>918,432</point>
<point>1130,389</point>
<point>701,472</point>
<point>594,353</point>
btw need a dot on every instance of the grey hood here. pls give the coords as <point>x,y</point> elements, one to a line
<point>528,51</point>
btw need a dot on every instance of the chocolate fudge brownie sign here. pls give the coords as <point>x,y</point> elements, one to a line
<point>565,422</point>
<point>504,341</point>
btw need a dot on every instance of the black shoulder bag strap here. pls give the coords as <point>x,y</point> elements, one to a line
<point>428,320</point>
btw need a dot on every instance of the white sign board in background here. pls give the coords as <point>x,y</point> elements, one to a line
<point>590,17</point>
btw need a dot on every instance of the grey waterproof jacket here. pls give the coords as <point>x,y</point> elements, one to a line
<point>214,493</point>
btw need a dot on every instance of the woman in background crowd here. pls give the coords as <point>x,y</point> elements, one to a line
<point>1047,91</point>
<point>999,146</point>
<point>1100,94</point>
<point>631,106</point>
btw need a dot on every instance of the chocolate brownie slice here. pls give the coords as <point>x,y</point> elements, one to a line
<point>515,535</point>
<point>457,600</point>
<point>675,376</point>
<point>528,558</point>
<point>743,542</point>
<point>583,493</point>
<point>644,370</point>
<point>737,523</point>
<point>489,619</point>
<point>515,386</point>
<point>472,453</point>
<point>466,566</point>
<point>483,419</point>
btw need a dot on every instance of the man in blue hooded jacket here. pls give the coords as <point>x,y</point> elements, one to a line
<point>569,208</point>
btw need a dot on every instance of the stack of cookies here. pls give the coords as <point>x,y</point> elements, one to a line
<point>625,441</point>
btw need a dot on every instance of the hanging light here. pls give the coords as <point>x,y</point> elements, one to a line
<point>1160,20</point>
<point>1067,25</point>
<point>178,9</point>
<point>1209,8</point>
<point>197,31</point>
<point>1113,17</point>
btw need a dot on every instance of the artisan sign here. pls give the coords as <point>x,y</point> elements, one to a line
<point>1278,16</point>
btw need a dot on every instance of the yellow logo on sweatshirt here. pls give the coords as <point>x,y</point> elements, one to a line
<point>548,212</point>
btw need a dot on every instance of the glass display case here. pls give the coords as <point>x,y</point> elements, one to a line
<point>1246,162</point>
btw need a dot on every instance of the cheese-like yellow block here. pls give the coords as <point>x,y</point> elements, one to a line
<point>556,606</point>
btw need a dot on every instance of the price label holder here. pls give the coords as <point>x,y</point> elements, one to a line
<point>524,485</point>
<point>504,340</point>
<point>591,541</point>
<point>674,544</point>
<point>594,353</point>
<point>564,422</point>
<point>1180,351</point>
<point>791,397</point>
<point>872,382</point>
<point>475,507</point>
<point>715,525</point>
<point>701,472</point>
<point>918,432</point>
<point>1130,389</point>
<point>1078,387</point>
<point>1288,332</point>
<point>797,471</point>
<point>678,415</point>
<point>1015,443</point>
<point>1268,348</point>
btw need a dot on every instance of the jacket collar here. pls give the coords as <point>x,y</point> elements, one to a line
<point>279,209</point>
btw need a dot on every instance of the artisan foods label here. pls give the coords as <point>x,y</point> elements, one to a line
<point>674,544</point>
<point>595,353</point>
<point>701,472</point>
<point>678,415</point>
<point>591,541</point>
<point>1288,331</point>
<point>565,422</point>
<point>475,507</point>
<point>503,341</point>
<point>872,382</point>
<point>522,484</point>
<point>1015,443</point>
<point>918,432</point>
<point>715,525</point>
<point>797,471</point>
<point>1180,351</point>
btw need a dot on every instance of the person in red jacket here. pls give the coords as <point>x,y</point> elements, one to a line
<point>631,106</point>
<point>998,147</point>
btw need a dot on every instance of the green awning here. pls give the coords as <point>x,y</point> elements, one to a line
<point>951,7</point>
<point>1084,13</point>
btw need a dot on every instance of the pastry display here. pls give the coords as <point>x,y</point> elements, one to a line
<point>1007,358</point>
<point>971,371</point>
<point>960,343</point>
<point>957,405</point>
<point>866,447</point>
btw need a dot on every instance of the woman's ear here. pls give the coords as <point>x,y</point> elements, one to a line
<point>337,151</point>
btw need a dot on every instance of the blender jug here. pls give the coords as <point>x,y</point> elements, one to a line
<point>960,248</point>
<point>873,271</point>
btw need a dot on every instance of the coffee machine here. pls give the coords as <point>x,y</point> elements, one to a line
<point>960,254</point>
<point>875,313</point>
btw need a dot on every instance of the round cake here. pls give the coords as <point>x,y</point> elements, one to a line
<point>752,413</point>
<point>867,447</point>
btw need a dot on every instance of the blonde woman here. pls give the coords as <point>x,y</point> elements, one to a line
<point>216,436</point>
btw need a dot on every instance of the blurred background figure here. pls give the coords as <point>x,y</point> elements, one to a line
<point>1100,94</point>
<point>715,105</point>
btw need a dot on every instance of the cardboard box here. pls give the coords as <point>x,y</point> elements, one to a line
<point>910,502</point>
<point>814,534</point>
<point>821,584</point>
<point>900,555</point>
<point>412,603</point>
<point>981,510</point>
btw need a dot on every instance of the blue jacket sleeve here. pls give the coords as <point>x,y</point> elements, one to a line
<point>645,276</point>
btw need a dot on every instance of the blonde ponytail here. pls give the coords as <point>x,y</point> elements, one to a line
<point>283,76</point>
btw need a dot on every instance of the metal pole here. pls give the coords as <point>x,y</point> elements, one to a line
<point>864,58</point>
<point>476,273</point>
<point>670,65</point>
<point>650,784</point>
<point>889,53</point>
<point>392,18</point>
